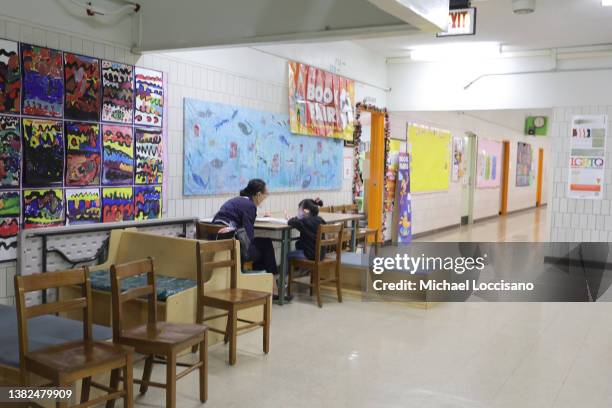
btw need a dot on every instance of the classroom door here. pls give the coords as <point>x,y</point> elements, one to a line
<point>469,178</point>
<point>375,183</point>
<point>540,176</point>
<point>503,210</point>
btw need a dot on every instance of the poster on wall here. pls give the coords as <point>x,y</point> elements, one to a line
<point>457,169</point>
<point>488,165</point>
<point>10,77</point>
<point>587,156</point>
<point>43,152</point>
<point>524,160</point>
<point>9,229</point>
<point>82,87</point>
<point>395,149</point>
<point>117,204</point>
<point>149,97</point>
<point>404,209</point>
<point>118,155</point>
<point>320,103</point>
<point>430,157</point>
<point>83,157</point>
<point>83,206</point>
<point>149,156</point>
<point>117,92</point>
<point>147,203</point>
<point>43,85</point>
<point>226,146</point>
<point>43,208</point>
<point>10,151</point>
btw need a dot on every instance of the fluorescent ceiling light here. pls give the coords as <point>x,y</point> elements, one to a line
<point>606,3</point>
<point>455,51</point>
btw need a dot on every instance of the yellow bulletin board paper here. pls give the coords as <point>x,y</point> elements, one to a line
<point>429,158</point>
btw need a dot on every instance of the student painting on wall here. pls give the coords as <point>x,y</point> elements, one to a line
<point>240,213</point>
<point>307,222</point>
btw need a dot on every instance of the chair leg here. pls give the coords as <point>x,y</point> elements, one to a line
<point>311,283</point>
<point>317,286</point>
<point>85,387</point>
<point>171,380</point>
<point>199,320</point>
<point>228,327</point>
<point>128,383</point>
<point>290,279</point>
<point>204,368</point>
<point>114,385</point>
<point>146,374</point>
<point>233,334</point>
<point>338,284</point>
<point>61,404</point>
<point>266,328</point>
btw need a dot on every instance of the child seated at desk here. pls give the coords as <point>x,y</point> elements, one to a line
<point>307,222</point>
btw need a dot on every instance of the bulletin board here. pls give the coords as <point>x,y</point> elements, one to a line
<point>430,158</point>
<point>488,174</point>
<point>81,141</point>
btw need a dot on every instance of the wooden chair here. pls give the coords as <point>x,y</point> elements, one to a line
<point>231,300</point>
<point>364,234</point>
<point>328,235</point>
<point>204,230</point>
<point>327,209</point>
<point>66,363</point>
<point>156,338</point>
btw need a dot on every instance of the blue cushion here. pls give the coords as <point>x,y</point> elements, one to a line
<point>166,286</point>
<point>43,331</point>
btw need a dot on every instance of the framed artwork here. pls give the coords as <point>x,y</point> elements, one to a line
<point>10,151</point>
<point>83,154</point>
<point>82,87</point>
<point>83,206</point>
<point>117,204</point>
<point>43,85</point>
<point>43,208</point>
<point>147,202</point>
<point>10,77</point>
<point>117,92</point>
<point>149,97</point>
<point>43,152</point>
<point>118,155</point>
<point>149,156</point>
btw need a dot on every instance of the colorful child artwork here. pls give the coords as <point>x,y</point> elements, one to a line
<point>149,159</point>
<point>10,204</point>
<point>10,151</point>
<point>10,77</point>
<point>83,206</point>
<point>457,170</point>
<point>9,228</point>
<point>117,204</point>
<point>43,208</point>
<point>147,202</point>
<point>43,85</point>
<point>118,155</point>
<point>395,148</point>
<point>82,86</point>
<point>404,224</point>
<point>524,157</point>
<point>149,101</point>
<point>43,152</point>
<point>117,92</point>
<point>83,157</point>
<point>225,146</point>
<point>489,164</point>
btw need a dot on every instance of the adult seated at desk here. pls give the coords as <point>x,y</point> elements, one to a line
<point>241,212</point>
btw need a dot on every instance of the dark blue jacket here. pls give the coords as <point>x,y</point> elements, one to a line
<point>239,212</point>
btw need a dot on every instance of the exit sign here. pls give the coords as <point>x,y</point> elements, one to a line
<point>460,22</point>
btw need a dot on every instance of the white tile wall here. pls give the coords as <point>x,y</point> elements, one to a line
<point>571,219</point>
<point>184,80</point>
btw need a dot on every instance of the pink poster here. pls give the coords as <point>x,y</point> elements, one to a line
<point>488,173</point>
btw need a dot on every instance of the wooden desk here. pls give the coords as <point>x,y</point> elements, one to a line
<point>285,239</point>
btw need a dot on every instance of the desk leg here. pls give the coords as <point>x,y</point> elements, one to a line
<point>354,225</point>
<point>285,242</point>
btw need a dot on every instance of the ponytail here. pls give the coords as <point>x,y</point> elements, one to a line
<point>253,187</point>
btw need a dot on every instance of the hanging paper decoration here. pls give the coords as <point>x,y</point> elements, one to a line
<point>43,152</point>
<point>10,151</point>
<point>43,208</point>
<point>118,157</point>
<point>147,202</point>
<point>43,85</point>
<point>117,204</point>
<point>10,77</point>
<point>117,92</point>
<point>82,87</point>
<point>83,161</point>
<point>149,159</point>
<point>83,206</point>
<point>404,208</point>
<point>149,97</point>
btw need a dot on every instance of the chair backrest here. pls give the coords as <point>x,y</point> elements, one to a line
<point>327,209</point>
<point>127,270</point>
<point>350,208</point>
<point>329,236</point>
<point>41,281</point>
<point>205,254</point>
<point>205,229</point>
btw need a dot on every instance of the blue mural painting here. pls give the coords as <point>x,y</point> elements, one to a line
<point>225,146</point>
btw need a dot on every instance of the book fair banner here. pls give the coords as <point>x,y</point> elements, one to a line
<point>587,156</point>
<point>320,103</point>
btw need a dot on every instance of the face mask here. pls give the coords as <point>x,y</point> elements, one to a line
<point>301,213</point>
